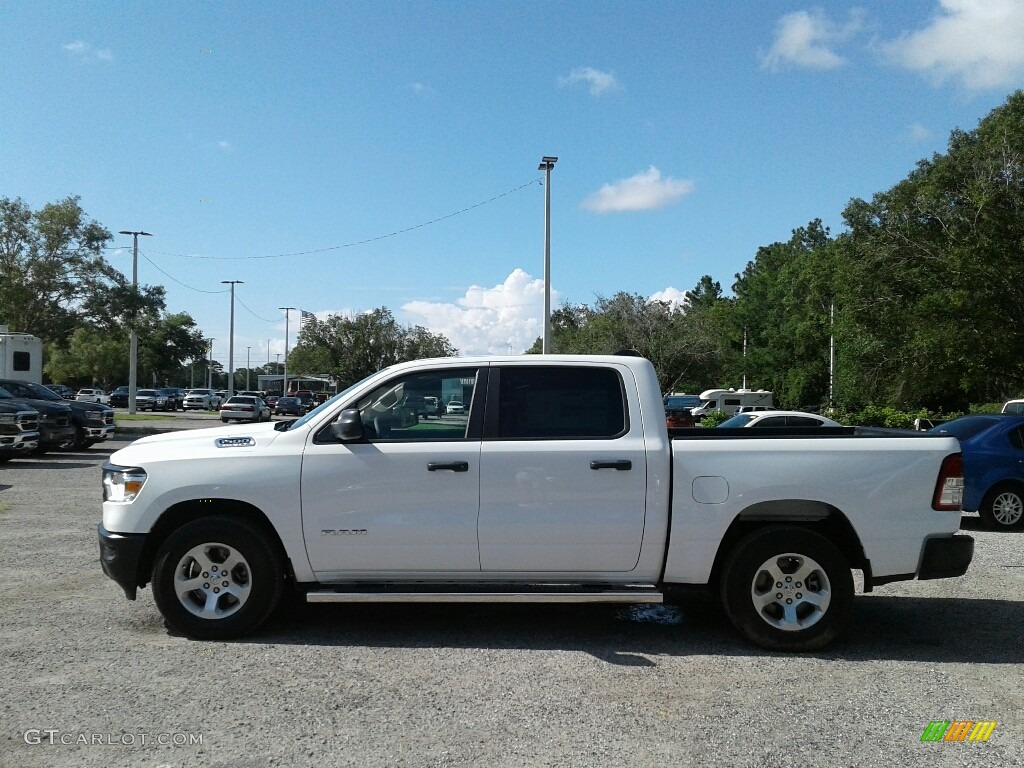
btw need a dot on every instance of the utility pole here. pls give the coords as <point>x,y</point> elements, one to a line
<point>209,367</point>
<point>231,338</point>
<point>133,354</point>
<point>287,316</point>
<point>546,165</point>
<point>247,367</point>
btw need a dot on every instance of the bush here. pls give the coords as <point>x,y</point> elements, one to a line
<point>891,418</point>
<point>713,419</point>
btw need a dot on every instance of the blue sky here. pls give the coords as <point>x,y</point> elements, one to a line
<point>342,156</point>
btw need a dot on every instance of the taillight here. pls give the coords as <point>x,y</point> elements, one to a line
<point>949,490</point>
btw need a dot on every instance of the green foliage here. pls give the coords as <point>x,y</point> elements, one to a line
<point>351,348</point>
<point>885,416</point>
<point>713,419</point>
<point>54,283</point>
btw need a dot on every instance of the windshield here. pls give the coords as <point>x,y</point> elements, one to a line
<point>740,420</point>
<point>678,403</point>
<point>32,391</point>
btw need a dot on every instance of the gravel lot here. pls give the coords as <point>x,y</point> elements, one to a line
<point>487,686</point>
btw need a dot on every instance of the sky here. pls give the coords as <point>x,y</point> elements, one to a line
<point>339,156</point>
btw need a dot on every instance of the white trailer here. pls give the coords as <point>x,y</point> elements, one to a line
<point>21,356</point>
<point>731,401</point>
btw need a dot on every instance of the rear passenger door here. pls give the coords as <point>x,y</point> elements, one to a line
<point>563,471</point>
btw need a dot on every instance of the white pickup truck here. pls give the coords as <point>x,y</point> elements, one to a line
<point>559,483</point>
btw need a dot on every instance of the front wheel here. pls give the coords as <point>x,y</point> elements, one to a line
<point>217,578</point>
<point>787,589</point>
<point>1003,508</point>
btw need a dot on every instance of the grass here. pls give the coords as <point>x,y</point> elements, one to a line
<point>4,507</point>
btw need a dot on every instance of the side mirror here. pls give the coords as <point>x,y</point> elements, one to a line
<point>348,426</point>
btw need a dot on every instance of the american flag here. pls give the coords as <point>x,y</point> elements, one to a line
<point>306,316</point>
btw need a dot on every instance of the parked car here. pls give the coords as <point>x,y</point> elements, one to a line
<point>147,400</point>
<point>200,400</point>
<point>434,406</point>
<point>1013,406</point>
<point>271,400</point>
<point>119,397</point>
<point>418,404</point>
<point>63,390</point>
<point>679,410</point>
<point>455,406</point>
<point>993,449</point>
<point>19,429</point>
<point>90,395</point>
<point>289,406</point>
<point>778,419</point>
<point>56,428</point>
<point>172,400</point>
<point>244,408</point>
<point>307,397</point>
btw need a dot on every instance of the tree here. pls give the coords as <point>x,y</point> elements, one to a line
<point>351,348</point>
<point>51,263</point>
<point>934,273</point>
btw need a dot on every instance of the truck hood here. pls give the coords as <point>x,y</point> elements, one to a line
<point>43,406</point>
<point>197,443</point>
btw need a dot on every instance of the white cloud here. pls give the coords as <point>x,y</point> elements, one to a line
<point>646,191</point>
<point>976,43</point>
<point>494,320</point>
<point>599,82</point>
<point>224,146</point>
<point>421,89</point>
<point>806,39</point>
<point>917,132</point>
<point>83,51</point>
<point>670,295</point>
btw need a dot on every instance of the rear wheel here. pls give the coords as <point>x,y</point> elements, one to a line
<point>787,588</point>
<point>1003,508</point>
<point>217,578</point>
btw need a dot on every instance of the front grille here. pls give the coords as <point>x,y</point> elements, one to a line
<point>28,421</point>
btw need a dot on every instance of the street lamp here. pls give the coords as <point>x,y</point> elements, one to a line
<point>133,353</point>
<point>287,316</point>
<point>546,165</point>
<point>231,338</point>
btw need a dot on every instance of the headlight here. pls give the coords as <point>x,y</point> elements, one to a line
<point>122,484</point>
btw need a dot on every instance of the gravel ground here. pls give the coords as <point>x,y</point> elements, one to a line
<point>488,686</point>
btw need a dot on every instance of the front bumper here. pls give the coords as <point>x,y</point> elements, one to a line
<point>52,436</point>
<point>946,558</point>
<point>119,557</point>
<point>22,442</point>
<point>99,433</point>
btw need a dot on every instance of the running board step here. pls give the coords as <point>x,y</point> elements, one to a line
<point>461,594</point>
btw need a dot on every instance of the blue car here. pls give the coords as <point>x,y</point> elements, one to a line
<point>993,449</point>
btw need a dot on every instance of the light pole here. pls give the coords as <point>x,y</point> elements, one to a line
<point>287,315</point>
<point>231,338</point>
<point>209,367</point>
<point>133,353</point>
<point>546,165</point>
<point>247,349</point>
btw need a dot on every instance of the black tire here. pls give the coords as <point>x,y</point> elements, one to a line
<point>252,582</point>
<point>42,449</point>
<point>224,419</point>
<point>812,606</point>
<point>1003,508</point>
<point>4,458</point>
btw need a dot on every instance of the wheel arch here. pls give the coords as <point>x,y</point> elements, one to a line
<point>185,512</point>
<point>817,516</point>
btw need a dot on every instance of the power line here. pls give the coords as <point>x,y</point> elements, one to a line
<point>359,242</point>
<point>184,285</point>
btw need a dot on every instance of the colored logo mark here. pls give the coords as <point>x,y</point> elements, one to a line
<point>958,730</point>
